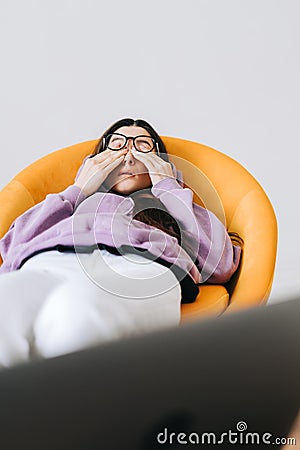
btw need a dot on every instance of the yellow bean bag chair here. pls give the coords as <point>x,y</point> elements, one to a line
<point>219,183</point>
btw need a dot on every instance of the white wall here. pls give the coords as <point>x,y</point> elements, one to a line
<point>224,73</point>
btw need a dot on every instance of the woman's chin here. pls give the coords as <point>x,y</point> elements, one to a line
<point>130,185</point>
<point>125,187</point>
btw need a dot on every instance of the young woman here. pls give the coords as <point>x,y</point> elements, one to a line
<point>113,255</point>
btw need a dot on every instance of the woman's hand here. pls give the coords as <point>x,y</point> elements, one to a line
<point>96,170</point>
<point>158,168</point>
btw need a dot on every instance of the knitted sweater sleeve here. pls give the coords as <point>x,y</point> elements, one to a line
<point>201,232</point>
<point>41,217</point>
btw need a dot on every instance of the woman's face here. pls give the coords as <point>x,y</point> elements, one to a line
<point>131,175</point>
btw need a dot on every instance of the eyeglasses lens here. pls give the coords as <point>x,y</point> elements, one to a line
<point>141,143</point>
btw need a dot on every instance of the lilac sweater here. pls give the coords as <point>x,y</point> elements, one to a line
<point>69,218</point>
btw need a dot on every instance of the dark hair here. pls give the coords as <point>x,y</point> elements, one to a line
<point>127,122</point>
<point>236,239</point>
<point>150,210</point>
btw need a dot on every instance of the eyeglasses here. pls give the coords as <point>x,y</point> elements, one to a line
<point>117,141</point>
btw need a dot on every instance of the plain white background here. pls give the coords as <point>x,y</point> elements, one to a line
<point>223,73</point>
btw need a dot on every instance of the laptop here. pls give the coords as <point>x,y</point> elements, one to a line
<point>227,381</point>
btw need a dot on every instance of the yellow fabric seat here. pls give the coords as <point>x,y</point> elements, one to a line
<point>219,183</point>
<point>211,300</point>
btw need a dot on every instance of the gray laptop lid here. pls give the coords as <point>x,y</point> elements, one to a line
<point>239,372</point>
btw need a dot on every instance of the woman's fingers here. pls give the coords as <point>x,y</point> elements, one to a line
<point>108,155</point>
<point>154,163</point>
<point>158,168</point>
<point>145,159</point>
<point>150,158</point>
<point>107,161</point>
<point>96,170</point>
<point>108,166</point>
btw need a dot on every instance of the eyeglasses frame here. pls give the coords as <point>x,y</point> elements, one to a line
<point>155,143</point>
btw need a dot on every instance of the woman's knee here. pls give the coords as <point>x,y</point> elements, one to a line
<point>21,295</point>
<point>14,348</point>
<point>78,315</point>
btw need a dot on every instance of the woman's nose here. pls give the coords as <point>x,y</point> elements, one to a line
<point>128,158</point>
<point>129,144</point>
